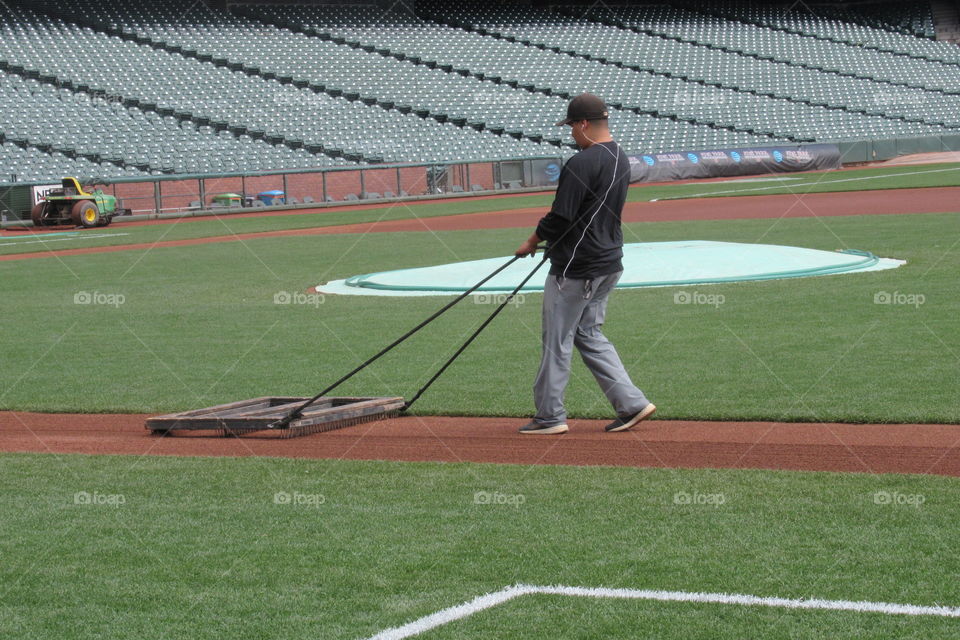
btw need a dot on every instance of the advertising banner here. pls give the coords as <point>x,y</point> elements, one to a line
<point>684,165</point>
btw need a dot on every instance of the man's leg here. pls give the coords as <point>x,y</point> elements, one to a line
<point>563,304</point>
<point>601,357</point>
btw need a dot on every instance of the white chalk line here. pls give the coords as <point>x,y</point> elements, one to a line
<point>809,184</point>
<point>495,598</point>
<point>39,239</point>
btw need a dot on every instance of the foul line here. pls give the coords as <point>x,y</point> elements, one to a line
<point>508,593</point>
<point>41,238</point>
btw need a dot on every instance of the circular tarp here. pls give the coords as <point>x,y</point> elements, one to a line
<point>647,264</point>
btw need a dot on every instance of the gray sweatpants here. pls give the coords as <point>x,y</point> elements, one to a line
<point>573,312</point>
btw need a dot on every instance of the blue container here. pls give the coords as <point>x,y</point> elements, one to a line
<point>276,196</point>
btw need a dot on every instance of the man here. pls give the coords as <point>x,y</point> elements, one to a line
<point>583,232</point>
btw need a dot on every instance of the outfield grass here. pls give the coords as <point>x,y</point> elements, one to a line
<point>207,548</point>
<point>198,326</point>
<point>872,178</point>
<point>941,175</point>
<point>226,225</point>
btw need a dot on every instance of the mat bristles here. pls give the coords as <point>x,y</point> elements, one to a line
<point>295,431</point>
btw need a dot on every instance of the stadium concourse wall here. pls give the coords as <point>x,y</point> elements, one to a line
<point>859,151</point>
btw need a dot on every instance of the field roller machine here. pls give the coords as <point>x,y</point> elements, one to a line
<point>70,204</point>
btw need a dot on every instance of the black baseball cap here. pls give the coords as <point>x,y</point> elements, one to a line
<point>585,106</point>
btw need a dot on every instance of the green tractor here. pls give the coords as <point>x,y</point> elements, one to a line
<point>70,204</point>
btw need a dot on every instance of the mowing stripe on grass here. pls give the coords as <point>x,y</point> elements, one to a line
<point>710,194</point>
<point>489,600</point>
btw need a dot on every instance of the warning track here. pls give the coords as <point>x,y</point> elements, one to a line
<point>881,202</point>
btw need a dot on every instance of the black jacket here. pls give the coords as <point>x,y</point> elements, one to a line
<point>583,226</point>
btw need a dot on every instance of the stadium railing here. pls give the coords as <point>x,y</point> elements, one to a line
<point>187,194</point>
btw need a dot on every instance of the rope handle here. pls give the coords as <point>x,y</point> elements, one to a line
<point>284,422</point>
<point>474,334</point>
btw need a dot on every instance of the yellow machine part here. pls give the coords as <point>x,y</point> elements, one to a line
<point>72,184</point>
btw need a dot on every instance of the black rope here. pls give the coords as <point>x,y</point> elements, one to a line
<point>298,412</point>
<point>475,334</point>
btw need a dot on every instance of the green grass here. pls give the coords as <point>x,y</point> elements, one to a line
<point>940,175</point>
<point>532,616</point>
<point>198,326</point>
<point>226,225</point>
<point>199,549</point>
<point>905,177</point>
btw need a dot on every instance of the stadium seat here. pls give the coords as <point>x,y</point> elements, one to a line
<point>136,88</point>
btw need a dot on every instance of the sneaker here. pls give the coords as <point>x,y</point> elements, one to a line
<point>535,427</point>
<point>622,424</point>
